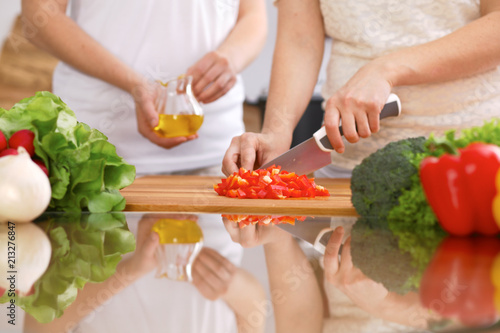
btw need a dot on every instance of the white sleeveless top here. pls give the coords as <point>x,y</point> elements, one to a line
<point>161,40</point>
<point>364,30</point>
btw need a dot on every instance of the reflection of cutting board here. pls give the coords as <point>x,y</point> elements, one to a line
<point>196,194</point>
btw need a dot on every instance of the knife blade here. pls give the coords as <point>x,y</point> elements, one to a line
<point>315,153</point>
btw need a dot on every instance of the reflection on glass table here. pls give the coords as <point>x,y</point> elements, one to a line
<point>180,242</point>
<point>103,276</point>
<point>375,283</point>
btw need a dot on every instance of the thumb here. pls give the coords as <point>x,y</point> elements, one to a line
<point>331,259</point>
<point>149,111</point>
<point>151,244</point>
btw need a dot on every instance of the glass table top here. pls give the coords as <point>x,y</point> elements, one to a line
<point>187,272</point>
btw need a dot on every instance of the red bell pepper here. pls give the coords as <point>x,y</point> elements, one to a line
<point>458,284</point>
<point>460,189</point>
<point>496,200</point>
<point>244,220</point>
<point>272,183</point>
<point>495,279</point>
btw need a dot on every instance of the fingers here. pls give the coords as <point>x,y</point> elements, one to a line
<point>360,118</point>
<point>332,123</point>
<point>151,244</point>
<point>242,152</point>
<point>218,88</point>
<point>218,264</point>
<point>246,237</point>
<point>249,146</point>
<point>346,256</point>
<point>331,258</point>
<point>212,273</point>
<point>213,77</point>
<point>233,229</point>
<point>230,161</point>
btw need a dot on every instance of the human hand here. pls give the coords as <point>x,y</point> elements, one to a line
<point>143,260</point>
<point>251,150</point>
<point>255,235</point>
<point>364,292</point>
<point>144,95</point>
<point>213,76</point>
<point>212,273</point>
<point>358,103</point>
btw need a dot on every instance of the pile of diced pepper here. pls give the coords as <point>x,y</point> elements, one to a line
<point>270,183</point>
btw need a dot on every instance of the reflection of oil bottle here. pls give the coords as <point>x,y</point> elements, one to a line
<point>180,243</point>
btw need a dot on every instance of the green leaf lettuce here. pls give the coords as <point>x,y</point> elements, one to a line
<point>85,171</point>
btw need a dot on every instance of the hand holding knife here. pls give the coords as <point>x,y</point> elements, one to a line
<point>315,152</point>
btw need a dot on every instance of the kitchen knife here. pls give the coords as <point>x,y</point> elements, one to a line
<point>316,230</point>
<point>315,153</point>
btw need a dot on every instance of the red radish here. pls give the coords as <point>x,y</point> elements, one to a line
<point>23,138</point>
<point>41,165</point>
<point>3,141</point>
<point>8,151</point>
<point>2,291</point>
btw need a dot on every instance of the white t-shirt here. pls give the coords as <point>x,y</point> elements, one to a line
<point>364,30</point>
<point>161,40</point>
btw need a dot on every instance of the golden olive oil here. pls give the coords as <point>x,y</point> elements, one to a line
<point>178,231</point>
<point>171,126</point>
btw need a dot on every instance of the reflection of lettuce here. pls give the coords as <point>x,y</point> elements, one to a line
<point>85,171</point>
<point>85,248</point>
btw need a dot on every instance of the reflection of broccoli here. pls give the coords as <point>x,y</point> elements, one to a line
<point>376,253</point>
<point>379,180</point>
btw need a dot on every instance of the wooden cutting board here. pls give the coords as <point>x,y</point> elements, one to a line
<point>196,194</point>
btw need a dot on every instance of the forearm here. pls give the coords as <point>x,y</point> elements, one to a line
<point>296,63</point>
<point>88,300</point>
<point>248,36</point>
<point>64,39</point>
<point>247,298</point>
<point>473,49</point>
<point>295,291</point>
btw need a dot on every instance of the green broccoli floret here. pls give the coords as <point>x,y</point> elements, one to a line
<point>378,181</point>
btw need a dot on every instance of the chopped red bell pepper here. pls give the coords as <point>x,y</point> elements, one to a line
<point>458,285</point>
<point>272,183</point>
<point>460,189</point>
<point>244,220</point>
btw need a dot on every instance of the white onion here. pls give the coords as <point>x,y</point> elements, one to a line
<point>24,188</point>
<point>32,250</point>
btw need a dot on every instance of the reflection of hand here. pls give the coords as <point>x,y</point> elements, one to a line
<point>147,117</point>
<point>358,103</point>
<point>251,150</point>
<point>213,76</point>
<point>254,235</point>
<point>144,259</point>
<point>365,293</point>
<point>212,274</point>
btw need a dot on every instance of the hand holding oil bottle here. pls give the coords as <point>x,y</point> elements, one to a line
<point>180,114</point>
